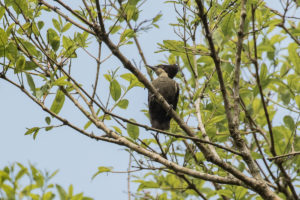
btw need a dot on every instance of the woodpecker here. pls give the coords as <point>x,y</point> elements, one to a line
<point>169,89</point>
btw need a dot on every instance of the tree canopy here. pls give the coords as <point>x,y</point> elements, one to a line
<point>235,133</point>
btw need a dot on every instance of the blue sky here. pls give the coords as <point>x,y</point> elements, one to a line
<point>77,157</point>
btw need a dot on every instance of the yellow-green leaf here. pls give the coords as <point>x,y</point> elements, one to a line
<point>58,102</point>
<point>102,170</point>
<point>31,83</point>
<point>20,64</point>
<point>115,90</point>
<point>133,130</point>
<point>123,103</point>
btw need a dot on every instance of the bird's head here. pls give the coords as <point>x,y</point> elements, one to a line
<point>159,71</point>
<point>170,70</point>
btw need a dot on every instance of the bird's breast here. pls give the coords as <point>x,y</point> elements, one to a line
<point>166,87</point>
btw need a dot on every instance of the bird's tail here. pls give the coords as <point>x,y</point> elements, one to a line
<point>162,125</point>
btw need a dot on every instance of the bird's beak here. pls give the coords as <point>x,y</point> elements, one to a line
<point>151,67</point>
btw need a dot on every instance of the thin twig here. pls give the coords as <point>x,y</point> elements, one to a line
<point>285,155</point>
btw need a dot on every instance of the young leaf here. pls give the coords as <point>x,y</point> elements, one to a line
<point>62,193</point>
<point>29,65</point>
<point>66,27</point>
<point>40,24</point>
<point>2,11</point>
<point>48,120</point>
<point>20,65</point>
<point>101,170</point>
<point>133,130</point>
<point>114,29</point>
<point>126,34</point>
<point>123,103</point>
<point>53,39</point>
<point>31,83</point>
<point>58,102</point>
<point>31,130</point>
<point>115,90</point>
<point>297,99</point>
<point>289,122</point>
<point>3,37</point>
<point>56,25</point>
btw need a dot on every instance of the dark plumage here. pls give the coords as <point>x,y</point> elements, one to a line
<point>169,89</point>
<point>171,70</point>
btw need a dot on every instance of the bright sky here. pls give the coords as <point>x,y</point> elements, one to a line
<point>77,157</point>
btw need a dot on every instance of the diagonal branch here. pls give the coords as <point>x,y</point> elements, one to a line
<point>63,120</point>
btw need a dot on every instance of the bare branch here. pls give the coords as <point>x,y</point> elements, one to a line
<point>285,155</point>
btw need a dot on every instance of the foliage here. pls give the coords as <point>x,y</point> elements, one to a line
<point>236,131</point>
<point>20,182</point>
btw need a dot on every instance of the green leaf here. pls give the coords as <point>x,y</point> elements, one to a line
<point>21,173</point>
<point>12,52</point>
<point>293,56</point>
<point>217,119</point>
<point>148,184</point>
<point>133,81</point>
<point>123,103</point>
<point>227,24</point>
<point>31,83</point>
<point>20,6</point>
<point>31,48</point>
<point>40,24</point>
<point>256,155</point>
<point>30,131</point>
<point>70,191</point>
<point>3,37</point>
<point>131,9</point>
<point>29,65</point>
<point>225,192</point>
<point>66,27</point>
<point>33,131</point>
<point>289,122</point>
<point>115,90</point>
<point>263,72</point>
<point>285,95</point>
<point>2,11</point>
<point>58,102</point>
<point>9,191</point>
<point>56,25</point>
<point>114,29</point>
<point>133,130</point>
<point>35,29</point>
<point>128,33</point>
<point>90,122</point>
<point>61,81</point>
<point>102,170</point>
<point>117,129</point>
<point>48,196</point>
<point>53,39</point>
<point>87,125</point>
<point>48,120</point>
<point>108,77</point>
<point>297,99</point>
<point>156,18</point>
<point>48,128</point>
<point>128,77</point>
<point>20,65</point>
<point>62,193</point>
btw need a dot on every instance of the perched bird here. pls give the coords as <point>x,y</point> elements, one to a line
<point>169,89</point>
